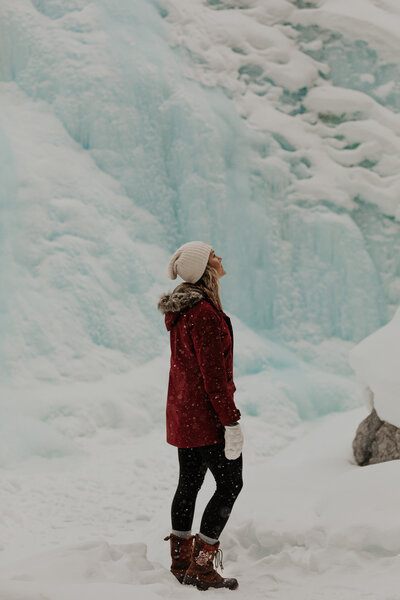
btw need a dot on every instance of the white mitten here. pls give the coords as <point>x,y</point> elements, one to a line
<point>233,441</point>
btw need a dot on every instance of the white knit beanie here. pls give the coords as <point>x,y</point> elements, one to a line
<point>189,261</point>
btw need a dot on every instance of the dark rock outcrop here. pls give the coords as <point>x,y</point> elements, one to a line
<point>376,441</point>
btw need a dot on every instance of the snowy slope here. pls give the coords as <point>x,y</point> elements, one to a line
<point>376,362</point>
<point>319,527</point>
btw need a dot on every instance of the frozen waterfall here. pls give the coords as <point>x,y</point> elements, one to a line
<point>271,132</point>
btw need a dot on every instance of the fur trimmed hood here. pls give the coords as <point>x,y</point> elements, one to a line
<point>183,296</point>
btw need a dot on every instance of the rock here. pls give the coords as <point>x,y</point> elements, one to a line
<point>376,441</point>
<point>365,436</point>
<point>386,445</point>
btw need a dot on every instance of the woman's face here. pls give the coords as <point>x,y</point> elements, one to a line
<point>216,262</point>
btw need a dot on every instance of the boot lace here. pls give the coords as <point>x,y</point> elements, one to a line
<point>219,555</point>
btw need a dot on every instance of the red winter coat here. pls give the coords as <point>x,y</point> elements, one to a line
<point>200,391</point>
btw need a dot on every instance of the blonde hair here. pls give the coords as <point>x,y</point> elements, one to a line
<point>209,283</point>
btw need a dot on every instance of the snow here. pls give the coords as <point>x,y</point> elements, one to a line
<point>270,61</point>
<point>376,362</point>
<point>376,21</point>
<point>273,384</point>
<point>271,131</point>
<point>319,526</point>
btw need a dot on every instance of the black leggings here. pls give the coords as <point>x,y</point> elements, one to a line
<point>193,464</point>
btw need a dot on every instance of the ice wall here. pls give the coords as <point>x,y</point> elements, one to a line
<point>319,98</point>
<point>130,128</point>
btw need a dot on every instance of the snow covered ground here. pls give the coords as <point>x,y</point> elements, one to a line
<point>309,523</point>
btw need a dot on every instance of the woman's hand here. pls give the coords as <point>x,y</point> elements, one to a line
<point>233,441</point>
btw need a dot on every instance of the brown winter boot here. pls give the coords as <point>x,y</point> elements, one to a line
<point>181,551</point>
<point>201,572</point>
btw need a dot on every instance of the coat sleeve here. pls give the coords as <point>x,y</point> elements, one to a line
<point>206,336</point>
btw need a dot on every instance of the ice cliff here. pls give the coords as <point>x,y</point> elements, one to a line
<point>269,129</point>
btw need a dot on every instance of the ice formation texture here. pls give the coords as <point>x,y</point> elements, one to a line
<point>270,130</point>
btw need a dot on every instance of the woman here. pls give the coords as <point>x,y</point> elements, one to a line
<point>202,419</point>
